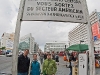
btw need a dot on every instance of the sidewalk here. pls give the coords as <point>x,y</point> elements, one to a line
<point>61,68</point>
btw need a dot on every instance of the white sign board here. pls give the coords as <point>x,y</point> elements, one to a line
<point>55,10</point>
<point>9,44</point>
<point>83,64</point>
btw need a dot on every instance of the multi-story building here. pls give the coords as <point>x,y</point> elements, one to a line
<point>36,47</point>
<point>27,42</point>
<point>7,40</point>
<point>54,46</point>
<point>80,35</point>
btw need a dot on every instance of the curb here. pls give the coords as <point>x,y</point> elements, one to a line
<point>2,55</point>
<point>4,74</point>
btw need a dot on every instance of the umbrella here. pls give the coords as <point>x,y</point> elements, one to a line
<point>78,47</point>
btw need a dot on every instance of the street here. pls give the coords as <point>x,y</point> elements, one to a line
<point>6,64</point>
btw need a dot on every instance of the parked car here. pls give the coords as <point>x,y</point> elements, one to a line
<point>2,52</point>
<point>9,55</point>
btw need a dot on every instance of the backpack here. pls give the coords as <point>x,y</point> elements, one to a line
<point>65,58</point>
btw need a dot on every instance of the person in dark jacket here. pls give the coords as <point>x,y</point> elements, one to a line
<point>70,60</point>
<point>45,56</point>
<point>35,66</point>
<point>57,58</point>
<point>23,63</point>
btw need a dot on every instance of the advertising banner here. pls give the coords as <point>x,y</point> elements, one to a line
<point>95,29</point>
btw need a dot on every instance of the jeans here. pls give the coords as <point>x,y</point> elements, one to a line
<point>23,73</point>
<point>41,60</point>
<point>70,71</point>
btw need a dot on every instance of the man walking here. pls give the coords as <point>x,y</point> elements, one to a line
<point>45,56</point>
<point>53,55</point>
<point>49,66</point>
<point>23,63</point>
<point>57,58</point>
<point>41,58</point>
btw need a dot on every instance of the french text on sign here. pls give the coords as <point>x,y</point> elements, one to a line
<point>54,10</point>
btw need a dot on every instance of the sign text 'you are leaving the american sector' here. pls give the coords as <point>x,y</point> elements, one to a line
<point>54,10</point>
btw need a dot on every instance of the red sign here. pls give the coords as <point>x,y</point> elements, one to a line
<point>95,29</point>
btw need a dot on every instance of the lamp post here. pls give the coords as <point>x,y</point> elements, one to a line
<point>81,41</point>
<point>69,43</point>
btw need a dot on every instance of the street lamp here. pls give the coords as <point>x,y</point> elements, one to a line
<point>81,41</point>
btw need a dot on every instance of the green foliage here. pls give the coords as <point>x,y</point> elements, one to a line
<point>3,48</point>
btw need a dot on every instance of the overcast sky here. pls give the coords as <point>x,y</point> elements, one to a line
<point>41,31</point>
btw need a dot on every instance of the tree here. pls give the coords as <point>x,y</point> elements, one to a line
<point>3,48</point>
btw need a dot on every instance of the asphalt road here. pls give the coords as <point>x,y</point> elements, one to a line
<point>6,65</point>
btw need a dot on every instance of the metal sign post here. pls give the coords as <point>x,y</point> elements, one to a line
<point>16,39</point>
<point>91,50</point>
<point>90,43</point>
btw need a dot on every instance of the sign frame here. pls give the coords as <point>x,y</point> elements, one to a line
<point>46,19</point>
<point>17,34</point>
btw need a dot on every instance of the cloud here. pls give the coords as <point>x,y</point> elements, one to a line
<point>7,14</point>
<point>92,5</point>
<point>47,31</point>
<point>41,31</point>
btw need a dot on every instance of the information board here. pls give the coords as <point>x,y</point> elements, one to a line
<point>83,65</point>
<point>55,10</point>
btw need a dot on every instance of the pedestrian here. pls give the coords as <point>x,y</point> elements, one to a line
<point>41,58</point>
<point>70,65</point>
<point>72,57</point>
<point>35,66</point>
<point>45,56</point>
<point>53,55</point>
<point>23,63</point>
<point>49,66</point>
<point>57,58</point>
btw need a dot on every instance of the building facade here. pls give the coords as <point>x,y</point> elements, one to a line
<point>27,42</point>
<point>54,46</point>
<point>7,40</point>
<point>80,34</point>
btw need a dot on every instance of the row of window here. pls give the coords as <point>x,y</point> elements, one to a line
<point>56,48</point>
